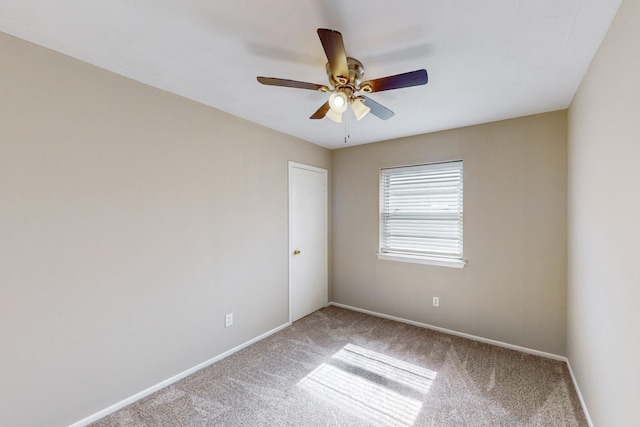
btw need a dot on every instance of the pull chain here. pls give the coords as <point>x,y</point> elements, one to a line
<point>347,135</point>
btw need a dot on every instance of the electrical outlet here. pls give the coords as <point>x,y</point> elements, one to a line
<point>436,302</point>
<point>228,320</point>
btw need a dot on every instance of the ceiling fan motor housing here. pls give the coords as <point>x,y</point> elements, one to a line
<point>356,72</point>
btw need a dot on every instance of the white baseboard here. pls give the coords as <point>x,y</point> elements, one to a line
<point>582,402</point>
<point>144,393</point>
<point>459,334</point>
<point>484,340</point>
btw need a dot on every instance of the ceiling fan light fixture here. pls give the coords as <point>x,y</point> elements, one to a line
<point>359,108</point>
<point>336,117</point>
<point>345,76</point>
<point>338,102</point>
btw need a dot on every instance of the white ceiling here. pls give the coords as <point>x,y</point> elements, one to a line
<point>487,60</point>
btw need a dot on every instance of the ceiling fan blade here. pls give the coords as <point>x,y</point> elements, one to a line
<point>334,49</point>
<point>322,111</point>
<point>273,81</point>
<point>412,78</point>
<point>378,110</point>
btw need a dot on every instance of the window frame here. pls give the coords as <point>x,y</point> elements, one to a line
<point>415,257</point>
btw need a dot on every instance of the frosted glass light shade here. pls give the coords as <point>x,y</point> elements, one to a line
<point>338,102</point>
<point>336,117</point>
<point>359,109</point>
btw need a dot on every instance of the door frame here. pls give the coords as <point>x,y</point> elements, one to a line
<point>325,173</point>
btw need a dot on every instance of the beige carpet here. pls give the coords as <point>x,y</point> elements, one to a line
<point>337,367</point>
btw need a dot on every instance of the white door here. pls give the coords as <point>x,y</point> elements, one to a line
<point>308,283</point>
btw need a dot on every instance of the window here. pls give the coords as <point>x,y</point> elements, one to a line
<point>421,214</point>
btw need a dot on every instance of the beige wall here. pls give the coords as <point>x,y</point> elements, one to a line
<point>131,222</point>
<point>513,288</point>
<point>604,235</point>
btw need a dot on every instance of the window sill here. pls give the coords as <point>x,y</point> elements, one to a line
<point>442,262</point>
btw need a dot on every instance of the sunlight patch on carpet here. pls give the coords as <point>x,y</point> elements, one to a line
<point>371,385</point>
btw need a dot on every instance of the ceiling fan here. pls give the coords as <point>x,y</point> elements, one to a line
<point>345,75</point>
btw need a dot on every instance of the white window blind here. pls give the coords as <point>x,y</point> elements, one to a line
<point>421,211</point>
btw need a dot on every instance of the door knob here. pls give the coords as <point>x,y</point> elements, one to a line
<point>296,252</point>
